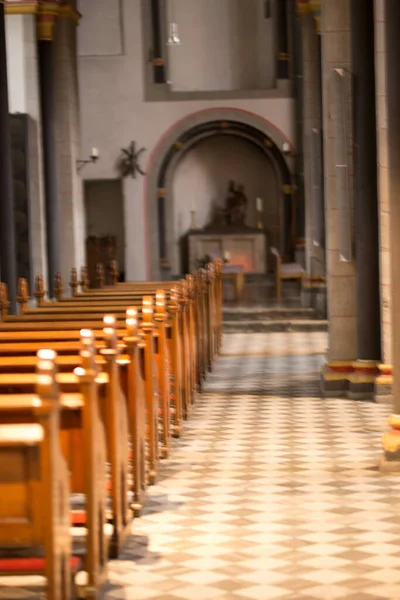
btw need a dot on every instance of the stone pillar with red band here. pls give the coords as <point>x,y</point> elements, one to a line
<point>391,27</point>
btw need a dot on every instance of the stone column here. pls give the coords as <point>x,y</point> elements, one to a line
<point>391,19</point>
<point>23,92</point>
<point>384,382</point>
<point>67,138</point>
<point>45,31</point>
<point>282,69</point>
<point>314,286</point>
<point>365,199</point>
<point>299,112</point>
<point>335,29</point>
<point>8,253</point>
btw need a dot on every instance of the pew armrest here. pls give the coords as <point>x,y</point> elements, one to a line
<point>27,434</point>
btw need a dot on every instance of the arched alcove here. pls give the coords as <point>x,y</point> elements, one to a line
<point>176,143</point>
<point>199,183</point>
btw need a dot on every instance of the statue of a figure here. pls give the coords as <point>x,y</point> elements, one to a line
<point>236,204</point>
<point>233,213</point>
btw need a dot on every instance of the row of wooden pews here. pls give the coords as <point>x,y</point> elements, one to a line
<point>92,388</point>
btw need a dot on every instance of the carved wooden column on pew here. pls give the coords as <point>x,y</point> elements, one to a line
<point>39,291</point>
<point>74,283</point>
<point>53,469</point>
<point>213,309</point>
<point>164,389</point>
<point>84,282</point>
<point>192,334</point>
<point>135,349</point>
<point>197,328</point>
<point>176,359</point>
<point>94,459</point>
<point>23,295</point>
<point>152,396</point>
<point>4,301</point>
<point>113,407</point>
<point>219,301</point>
<point>203,326</point>
<point>58,287</point>
<point>183,301</point>
<point>210,317</point>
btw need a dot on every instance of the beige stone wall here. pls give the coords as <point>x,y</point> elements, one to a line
<point>384,216</point>
<point>335,24</point>
<point>114,112</point>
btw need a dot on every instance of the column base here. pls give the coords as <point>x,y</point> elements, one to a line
<point>350,379</point>
<point>390,460</point>
<point>383,384</point>
<point>362,380</point>
<point>334,378</point>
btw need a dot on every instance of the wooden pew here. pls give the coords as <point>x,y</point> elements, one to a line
<point>207,287</point>
<point>114,410</point>
<point>186,317</point>
<point>168,342</point>
<point>156,349</point>
<point>41,490</point>
<point>133,385</point>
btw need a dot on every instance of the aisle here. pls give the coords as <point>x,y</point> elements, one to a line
<point>272,493</point>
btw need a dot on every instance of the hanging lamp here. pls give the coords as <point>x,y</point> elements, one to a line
<point>173,38</point>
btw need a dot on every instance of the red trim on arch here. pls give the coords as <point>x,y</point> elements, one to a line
<point>166,133</point>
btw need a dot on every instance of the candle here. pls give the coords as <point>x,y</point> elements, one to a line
<point>259,204</point>
<point>95,153</point>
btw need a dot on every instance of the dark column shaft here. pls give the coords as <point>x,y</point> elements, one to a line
<point>392,29</point>
<point>365,181</point>
<point>298,84</point>
<point>53,217</point>
<point>156,26</point>
<point>8,254</point>
<point>282,40</point>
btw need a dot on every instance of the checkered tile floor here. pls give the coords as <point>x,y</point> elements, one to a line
<point>271,493</point>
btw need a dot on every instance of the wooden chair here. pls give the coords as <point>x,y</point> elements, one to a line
<point>285,271</point>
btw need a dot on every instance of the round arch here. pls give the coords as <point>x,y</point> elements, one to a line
<point>178,140</point>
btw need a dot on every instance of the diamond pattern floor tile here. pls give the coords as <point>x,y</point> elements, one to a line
<point>273,492</point>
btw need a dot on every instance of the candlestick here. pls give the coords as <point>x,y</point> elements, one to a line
<point>193,220</point>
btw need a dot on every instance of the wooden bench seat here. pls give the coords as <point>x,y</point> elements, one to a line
<point>174,364</point>
<point>156,347</point>
<point>130,356</point>
<point>115,417</point>
<point>34,489</point>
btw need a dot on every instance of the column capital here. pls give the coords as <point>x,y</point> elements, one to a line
<point>46,16</point>
<point>51,8</point>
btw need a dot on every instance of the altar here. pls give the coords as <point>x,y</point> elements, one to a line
<point>228,234</point>
<point>247,248</point>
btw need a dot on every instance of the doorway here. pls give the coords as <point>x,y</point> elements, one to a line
<point>104,207</point>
